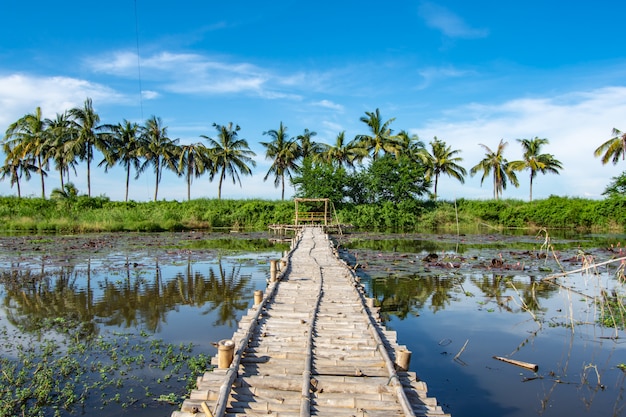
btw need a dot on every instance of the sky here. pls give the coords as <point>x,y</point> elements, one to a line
<point>469,73</point>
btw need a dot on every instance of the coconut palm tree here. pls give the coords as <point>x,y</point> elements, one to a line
<point>194,160</point>
<point>284,153</point>
<point>380,138</point>
<point>442,159</point>
<point>67,192</point>
<point>535,161</point>
<point>158,150</point>
<point>409,145</point>
<point>60,140</point>
<point>28,140</point>
<point>87,138</point>
<point>613,148</point>
<point>15,167</point>
<point>230,155</point>
<point>308,147</point>
<point>342,153</point>
<point>502,172</point>
<point>124,148</point>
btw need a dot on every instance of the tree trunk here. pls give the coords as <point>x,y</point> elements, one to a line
<point>436,181</point>
<point>127,181</point>
<point>531,186</point>
<point>188,184</point>
<point>219,187</point>
<point>158,179</point>
<point>88,170</point>
<point>43,183</point>
<point>283,183</point>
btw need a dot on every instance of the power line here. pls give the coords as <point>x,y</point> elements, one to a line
<point>138,60</point>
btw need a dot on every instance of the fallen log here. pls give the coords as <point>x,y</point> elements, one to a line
<point>533,367</point>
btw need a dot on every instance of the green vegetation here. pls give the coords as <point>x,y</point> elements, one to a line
<point>48,375</point>
<point>97,214</point>
<point>376,179</point>
<point>612,309</point>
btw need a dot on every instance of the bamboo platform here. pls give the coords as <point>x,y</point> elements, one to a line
<point>312,346</point>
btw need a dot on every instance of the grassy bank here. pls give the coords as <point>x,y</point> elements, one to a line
<point>98,214</point>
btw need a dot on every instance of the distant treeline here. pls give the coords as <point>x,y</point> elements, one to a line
<point>99,214</point>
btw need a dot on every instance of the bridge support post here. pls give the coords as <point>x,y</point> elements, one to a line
<point>258,297</point>
<point>225,353</point>
<point>273,269</point>
<point>403,358</point>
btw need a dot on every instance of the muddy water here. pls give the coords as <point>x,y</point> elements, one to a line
<point>456,302</point>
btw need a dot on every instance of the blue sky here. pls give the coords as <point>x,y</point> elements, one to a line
<point>469,73</point>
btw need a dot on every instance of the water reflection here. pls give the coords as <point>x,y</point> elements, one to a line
<point>402,295</point>
<point>132,295</point>
<point>483,309</point>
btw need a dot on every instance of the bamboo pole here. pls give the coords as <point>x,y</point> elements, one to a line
<point>586,268</point>
<point>533,367</point>
<point>273,270</point>
<point>225,350</point>
<point>258,297</point>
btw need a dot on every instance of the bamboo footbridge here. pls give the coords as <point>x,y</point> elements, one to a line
<point>312,345</point>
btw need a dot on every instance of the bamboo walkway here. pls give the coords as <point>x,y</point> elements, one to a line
<point>313,346</point>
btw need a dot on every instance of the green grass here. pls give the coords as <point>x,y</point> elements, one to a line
<point>84,214</point>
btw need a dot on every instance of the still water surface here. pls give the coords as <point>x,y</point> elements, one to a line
<point>454,314</point>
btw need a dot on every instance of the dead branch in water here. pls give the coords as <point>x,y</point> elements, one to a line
<point>585,268</point>
<point>533,367</point>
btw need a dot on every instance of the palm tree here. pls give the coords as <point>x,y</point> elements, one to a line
<point>124,148</point>
<point>230,154</point>
<point>158,150</point>
<point>442,160</point>
<point>15,167</point>
<point>284,154</point>
<point>380,138</point>
<point>502,172</point>
<point>535,161</point>
<point>67,192</point>
<point>342,153</point>
<point>86,120</point>
<point>194,160</point>
<point>308,147</point>
<point>409,145</point>
<point>27,138</point>
<point>60,140</point>
<point>613,148</point>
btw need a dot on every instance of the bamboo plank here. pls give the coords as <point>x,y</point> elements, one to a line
<point>313,346</point>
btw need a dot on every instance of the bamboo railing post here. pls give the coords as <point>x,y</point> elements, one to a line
<point>273,270</point>
<point>225,352</point>
<point>403,359</point>
<point>258,297</point>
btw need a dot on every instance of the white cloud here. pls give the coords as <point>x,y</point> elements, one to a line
<point>575,124</point>
<point>432,74</point>
<point>448,23</point>
<point>329,105</point>
<point>20,94</point>
<point>184,72</point>
<point>150,95</point>
<point>191,73</point>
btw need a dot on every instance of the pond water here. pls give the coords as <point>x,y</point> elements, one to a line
<point>455,305</point>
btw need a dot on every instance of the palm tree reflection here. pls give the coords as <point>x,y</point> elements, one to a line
<point>131,297</point>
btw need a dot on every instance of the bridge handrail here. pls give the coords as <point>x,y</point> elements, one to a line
<point>222,399</point>
<point>375,330</point>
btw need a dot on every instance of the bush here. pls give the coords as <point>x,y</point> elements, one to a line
<point>85,214</point>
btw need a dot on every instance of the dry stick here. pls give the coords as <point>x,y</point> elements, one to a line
<point>461,351</point>
<point>562,274</point>
<point>523,303</point>
<point>533,367</point>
